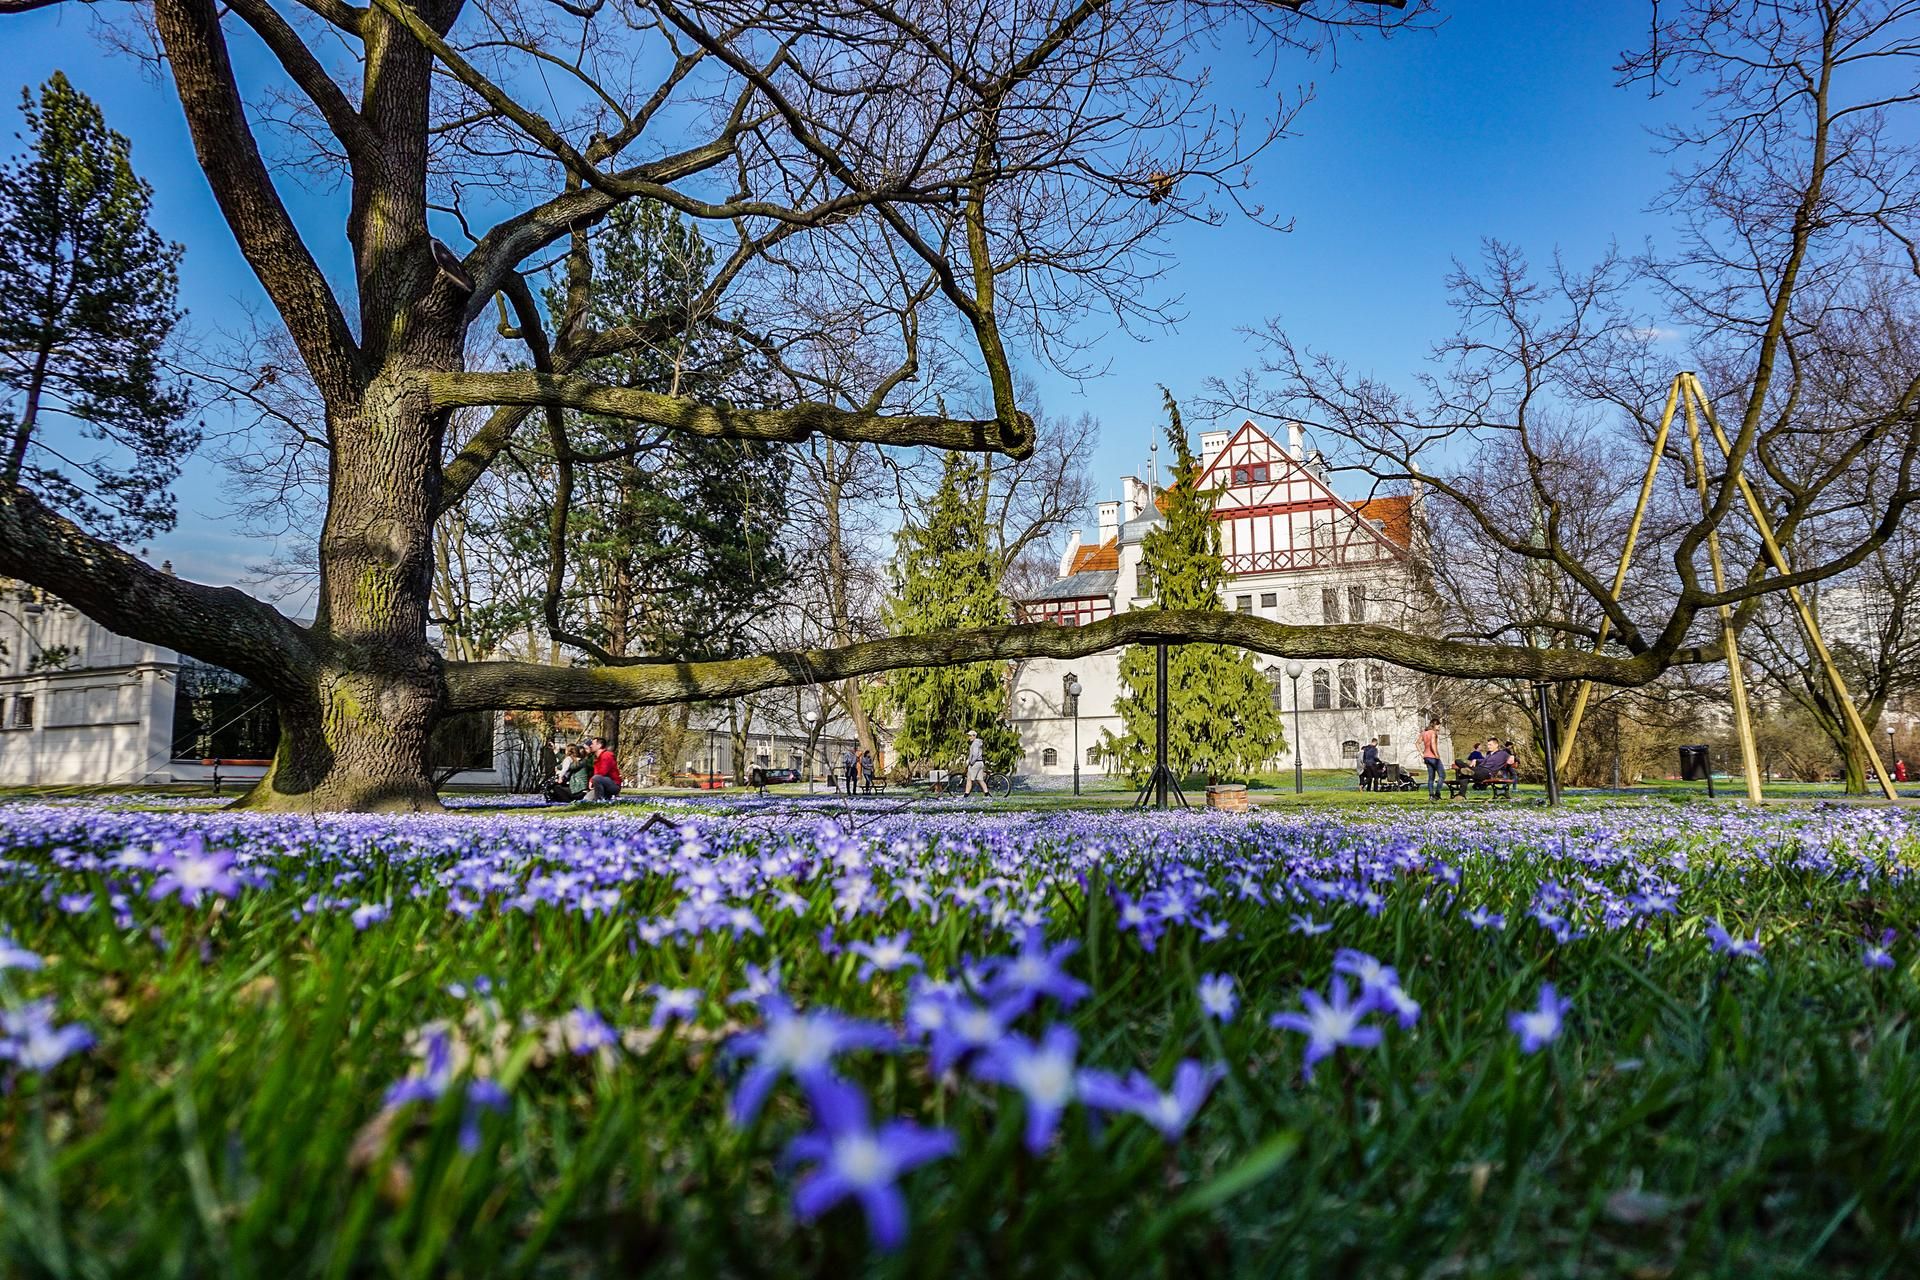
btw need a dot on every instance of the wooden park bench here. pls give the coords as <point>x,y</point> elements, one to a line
<point>1460,786</point>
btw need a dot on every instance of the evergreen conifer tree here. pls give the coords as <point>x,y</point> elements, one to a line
<point>946,577</point>
<point>1220,714</point>
<point>88,414</point>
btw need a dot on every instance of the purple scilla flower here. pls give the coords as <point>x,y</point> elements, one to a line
<point>1378,983</point>
<point>1043,1073</point>
<point>1036,971</point>
<point>29,1037</point>
<point>885,955</point>
<point>760,983</point>
<point>802,1045</point>
<point>1308,925</point>
<point>1218,996</point>
<point>1726,944</point>
<point>1330,1024</point>
<point>369,913</point>
<point>1873,955</point>
<point>435,1077</point>
<point>1540,1026</point>
<point>967,1027</point>
<point>852,1158</point>
<point>1169,1112</point>
<point>192,873</point>
<point>587,1032</point>
<point>14,956</point>
<point>674,1002</point>
<point>1481,918</point>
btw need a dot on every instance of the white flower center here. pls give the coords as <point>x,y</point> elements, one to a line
<point>801,1043</point>
<point>1047,1078</point>
<point>1540,1024</point>
<point>196,874</point>
<point>862,1161</point>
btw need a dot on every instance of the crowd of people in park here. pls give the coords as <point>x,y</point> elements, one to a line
<point>580,771</point>
<point>1488,764</point>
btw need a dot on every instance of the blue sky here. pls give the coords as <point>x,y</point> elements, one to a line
<point>1504,121</point>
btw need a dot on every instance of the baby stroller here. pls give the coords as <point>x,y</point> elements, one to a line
<point>1396,778</point>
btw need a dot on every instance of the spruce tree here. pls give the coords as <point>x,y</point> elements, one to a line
<point>1220,714</point>
<point>88,413</point>
<point>946,577</point>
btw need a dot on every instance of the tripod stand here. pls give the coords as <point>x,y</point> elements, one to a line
<point>1161,781</point>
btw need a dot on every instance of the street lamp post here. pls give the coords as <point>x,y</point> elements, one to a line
<point>1294,668</point>
<point>811,720</point>
<point>1073,693</point>
<point>710,758</point>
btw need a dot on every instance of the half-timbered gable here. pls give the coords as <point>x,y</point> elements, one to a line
<point>1277,514</point>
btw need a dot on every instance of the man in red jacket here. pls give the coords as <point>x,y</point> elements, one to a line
<point>605,783</point>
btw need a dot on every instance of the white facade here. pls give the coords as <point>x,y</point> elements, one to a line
<point>1296,553</point>
<point>81,706</point>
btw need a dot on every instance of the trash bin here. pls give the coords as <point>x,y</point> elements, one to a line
<point>1694,766</point>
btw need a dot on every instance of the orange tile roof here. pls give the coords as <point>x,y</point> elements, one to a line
<point>1091,559</point>
<point>1395,514</point>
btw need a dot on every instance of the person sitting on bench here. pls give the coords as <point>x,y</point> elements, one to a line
<point>1495,767</point>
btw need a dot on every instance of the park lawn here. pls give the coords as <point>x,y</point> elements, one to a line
<point>1699,1111</point>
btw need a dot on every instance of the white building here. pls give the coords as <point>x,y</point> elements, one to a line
<point>1295,552</point>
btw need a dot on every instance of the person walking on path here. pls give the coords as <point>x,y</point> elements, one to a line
<point>976,765</point>
<point>866,771</point>
<point>1430,756</point>
<point>849,766</point>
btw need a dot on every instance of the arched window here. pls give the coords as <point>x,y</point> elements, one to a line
<point>1322,689</point>
<point>1049,758</point>
<point>1350,750</point>
<point>1349,685</point>
<point>1093,755</point>
<point>1376,684</point>
<point>1068,702</point>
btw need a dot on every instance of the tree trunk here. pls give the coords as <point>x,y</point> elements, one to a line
<point>361,741</point>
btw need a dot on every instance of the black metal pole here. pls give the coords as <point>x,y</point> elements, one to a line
<point>1160,726</point>
<point>1546,743</point>
<point>1299,774</point>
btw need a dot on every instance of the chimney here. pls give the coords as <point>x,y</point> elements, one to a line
<point>1211,443</point>
<point>1073,549</point>
<point>1296,443</point>
<point>1109,522</point>
<point>1133,496</point>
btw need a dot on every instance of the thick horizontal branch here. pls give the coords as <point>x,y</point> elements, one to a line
<point>676,413</point>
<point>527,685</point>
<point>221,625</point>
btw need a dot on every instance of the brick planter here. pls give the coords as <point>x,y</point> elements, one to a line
<point>1230,797</point>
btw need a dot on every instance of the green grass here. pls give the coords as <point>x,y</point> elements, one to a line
<point>1700,1117</point>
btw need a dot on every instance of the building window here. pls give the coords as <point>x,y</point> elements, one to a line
<point>1244,604</point>
<point>1269,600</point>
<point>21,716</point>
<point>1093,755</point>
<point>1349,685</point>
<point>1049,758</point>
<point>1350,750</point>
<point>1142,582</point>
<point>1356,604</point>
<point>1376,685</point>
<point>1067,700</point>
<point>1322,689</point>
<point>1329,604</point>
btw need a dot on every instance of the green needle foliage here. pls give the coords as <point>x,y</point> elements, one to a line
<point>1220,715</point>
<point>88,413</point>
<point>946,577</point>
